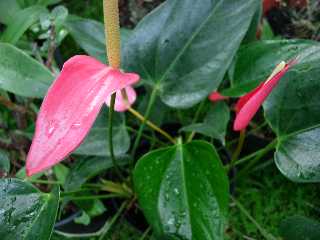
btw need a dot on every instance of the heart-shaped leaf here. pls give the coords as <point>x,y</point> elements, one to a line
<point>25,212</point>
<point>181,49</point>
<point>183,191</point>
<point>293,111</point>
<point>21,74</point>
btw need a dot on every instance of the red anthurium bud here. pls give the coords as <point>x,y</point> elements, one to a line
<point>122,104</point>
<point>249,104</point>
<point>216,97</point>
<point>270,4</point>
<point>70,109</point>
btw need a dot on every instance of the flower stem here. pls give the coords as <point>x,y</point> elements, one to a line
<point>151,125</point>
<point>110,136</point>
<point>195,119</point>
<point>112,32</point>
<point>238,150</point>
<point>144,120</point>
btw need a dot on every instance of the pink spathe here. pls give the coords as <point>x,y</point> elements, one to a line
<point>70,109</point>
<point>248,105</point>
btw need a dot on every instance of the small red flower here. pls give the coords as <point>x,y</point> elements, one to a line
<point>216,97</point>
<point>249,104</point>
<point>71,107</point>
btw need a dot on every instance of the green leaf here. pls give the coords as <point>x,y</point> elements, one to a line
<point>7,9</point>
<point>97,144</point>
<point>89,34</point>
<point>255,62</point>
<point>26,213</point>
<point>183,191</point>
<point>299,228</point>
<point>28,3</point>
<point>21,174</point>
<point>61,172</point>
<point>83,219</point>
<point>88,167</point>
<point>214,124</point>
<point>293,111</point>
<point>181,49</point>
<point>20,22</point>
<point>21,74</point>
<point>4,161</point>
<point>251,35</point>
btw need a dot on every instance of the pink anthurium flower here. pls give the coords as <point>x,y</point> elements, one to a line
<point>70,109</point>
<point>216,97</point>
<point>249,104</point>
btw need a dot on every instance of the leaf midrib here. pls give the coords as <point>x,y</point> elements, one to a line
<point>188,43</point>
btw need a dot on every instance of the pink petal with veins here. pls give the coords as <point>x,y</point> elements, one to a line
<point>70,108</point>
<point>215,97</point>
<point>248,105</point>
<point>120,104</point>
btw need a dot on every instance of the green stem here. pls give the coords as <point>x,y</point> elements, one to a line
<point>258,155</point>
<point>238,150</point>
<point>83,198</point>
<point>263,232</point>
<point>106,228</point>
<point>110,136</point>
<point>145,234</point>
<point>142,126</point>
<point>195,119</point>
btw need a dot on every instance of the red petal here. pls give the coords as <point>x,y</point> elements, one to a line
<point>120,104</point>
<point>70,108</point>
<point>248,105</point>
<point>215,97</point>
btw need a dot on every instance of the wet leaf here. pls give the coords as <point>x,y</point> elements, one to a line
<point>293,111</point>
<point>183,191</point>
<point>185,61</point>
<point>299,228</point>
<point>25,212</point>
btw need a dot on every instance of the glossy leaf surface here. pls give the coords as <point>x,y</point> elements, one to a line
<point>25,212</point>
<point>89,34</point>
<point>293,111</point>
<point>298,228</point>
<point>21,74</point>
<point>183,191</point>
<point>185,61</point>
